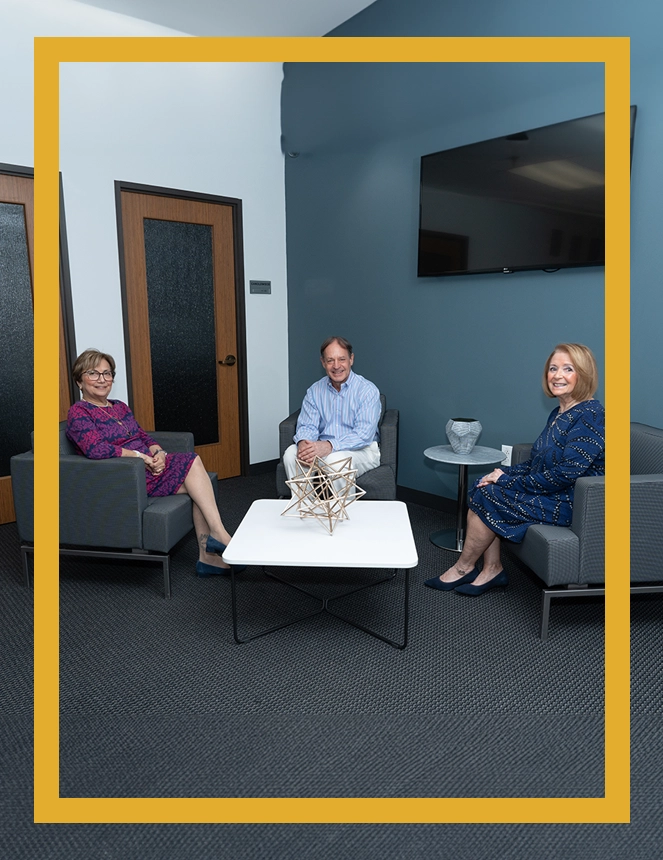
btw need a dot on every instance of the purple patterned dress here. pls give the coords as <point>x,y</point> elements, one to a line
<point>100,432</point>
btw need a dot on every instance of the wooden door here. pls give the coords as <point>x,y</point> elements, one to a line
<point>180,295</point>
<point>17,346</point>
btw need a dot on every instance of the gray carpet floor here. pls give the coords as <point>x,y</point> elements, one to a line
<point>157,700</point>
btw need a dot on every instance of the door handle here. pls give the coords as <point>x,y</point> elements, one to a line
<point>228,361</point>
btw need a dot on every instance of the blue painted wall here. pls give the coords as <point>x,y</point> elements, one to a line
<point>470,345</point>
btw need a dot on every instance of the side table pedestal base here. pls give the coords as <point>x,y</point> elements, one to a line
<point>448,539</point>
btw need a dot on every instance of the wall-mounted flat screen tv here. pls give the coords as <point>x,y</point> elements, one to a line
<point>531,200</point>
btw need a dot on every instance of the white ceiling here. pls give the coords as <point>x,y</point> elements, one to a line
<point>240,17</point>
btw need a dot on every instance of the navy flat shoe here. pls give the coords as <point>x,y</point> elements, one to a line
<point>475,590</point>
<point>203,569</point>
<point>436,582</point>
<point>214,545</point>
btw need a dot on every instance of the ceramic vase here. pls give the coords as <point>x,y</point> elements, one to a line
<point>463,434</point>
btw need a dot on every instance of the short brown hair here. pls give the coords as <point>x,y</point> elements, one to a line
<point>341,341</point>
<point>87,361</point>
<point>584,363</point>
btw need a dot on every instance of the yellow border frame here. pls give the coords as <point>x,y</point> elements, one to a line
<point>614,807</point>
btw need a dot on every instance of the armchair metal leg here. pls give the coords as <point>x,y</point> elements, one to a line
<point>646,588</point>
<point>545,614</point>
<point>134,555</point>
<point>165,563</point>
<point>25,550</point>
<point>569,591</point>
<point>166,577</point>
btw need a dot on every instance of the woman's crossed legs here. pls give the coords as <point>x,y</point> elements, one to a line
<point>206,518</point>
<point>479,540</point>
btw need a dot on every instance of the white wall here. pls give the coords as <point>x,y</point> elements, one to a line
<point>212,128</point>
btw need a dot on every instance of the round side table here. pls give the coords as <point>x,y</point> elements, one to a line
<point>454,539</point>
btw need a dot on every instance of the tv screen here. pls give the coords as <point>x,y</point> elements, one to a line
<point>531,200</point>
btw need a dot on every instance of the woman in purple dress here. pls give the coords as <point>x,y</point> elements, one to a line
<point>506,502</point>
<point>100,428</point>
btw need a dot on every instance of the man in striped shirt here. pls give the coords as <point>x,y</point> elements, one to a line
<point>339,415</point>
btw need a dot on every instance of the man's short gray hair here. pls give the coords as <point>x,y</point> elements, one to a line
<point>341,341</point>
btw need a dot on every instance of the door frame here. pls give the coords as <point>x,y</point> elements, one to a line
<point>240,305</point>
<point>66,304</point>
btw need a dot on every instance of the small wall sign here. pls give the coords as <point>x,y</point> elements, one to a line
<point>262,287</point>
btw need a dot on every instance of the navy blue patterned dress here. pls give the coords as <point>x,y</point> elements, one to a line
<point>101,432</point>
<point>540,490</point>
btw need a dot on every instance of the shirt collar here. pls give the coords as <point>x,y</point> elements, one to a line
<point>344,385</point>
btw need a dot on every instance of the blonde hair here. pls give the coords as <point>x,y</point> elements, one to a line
<point>87,361</point>
<point>584,363</point>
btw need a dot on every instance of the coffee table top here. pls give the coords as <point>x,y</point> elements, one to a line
<point>478,456</point>
<point>377,534</point>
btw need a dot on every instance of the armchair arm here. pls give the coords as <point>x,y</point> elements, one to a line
<point>102,501</point>
<point>521,452</point>
<point>646,449</point>
<point>23,471</point>
<point>646,532</point>
<point>389,440</point>
<point>173,441</point>
<point>287,429</point>
<point>588,523</point>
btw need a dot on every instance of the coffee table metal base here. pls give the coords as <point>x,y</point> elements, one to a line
<point>324,607</point>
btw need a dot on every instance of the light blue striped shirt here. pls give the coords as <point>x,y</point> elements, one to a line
<point>347,418</point>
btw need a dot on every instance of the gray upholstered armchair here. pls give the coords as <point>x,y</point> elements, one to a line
<point>104,508</point>
<point>646,506</point>
<point>380,483</point>
<point>570,561</point>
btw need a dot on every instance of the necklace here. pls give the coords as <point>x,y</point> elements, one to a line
<point>106,405</point>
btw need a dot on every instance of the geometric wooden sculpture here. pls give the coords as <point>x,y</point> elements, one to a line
<point>322,491</point>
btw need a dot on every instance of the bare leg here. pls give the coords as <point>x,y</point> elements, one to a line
<point>478,538</point>
<point>202,533</point>
<point>206,517</point>
<point>492,562</point>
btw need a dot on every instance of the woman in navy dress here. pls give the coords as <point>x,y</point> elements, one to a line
<point>100,428</point>
<point>506,502</point>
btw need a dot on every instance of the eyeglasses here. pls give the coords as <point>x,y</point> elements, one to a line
<point>95,374</point>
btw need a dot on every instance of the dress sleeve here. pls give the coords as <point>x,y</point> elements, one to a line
<point>86,436</point>
<point>583,445</point>
<point>521,468</point>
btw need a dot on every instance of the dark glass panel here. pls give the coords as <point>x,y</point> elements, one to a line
<point>180,295</point>
<point>532,200</point>
<point>16,340</point>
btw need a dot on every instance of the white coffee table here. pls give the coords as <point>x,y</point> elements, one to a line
<point>377,535</point>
